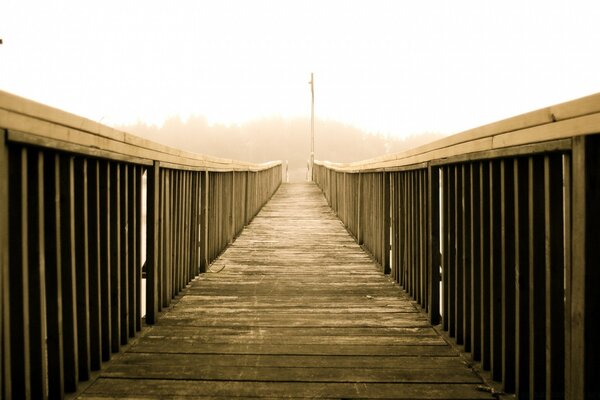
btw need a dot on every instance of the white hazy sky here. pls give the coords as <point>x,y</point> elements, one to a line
<point>394,67</point>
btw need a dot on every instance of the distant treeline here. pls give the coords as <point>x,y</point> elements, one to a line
<point>276,139</point>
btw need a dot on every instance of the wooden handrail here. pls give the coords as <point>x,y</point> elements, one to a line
<point>501,223</point>
<point>33,123</point>
<point>562,121</point>
<point>72,196</point>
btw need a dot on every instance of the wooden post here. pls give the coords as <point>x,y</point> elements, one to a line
<point>5,351</point>
<point>433,244</point>
<point>204,222</point>
<point>583,376</point>
<point>152,243</point>
<point>359,233</point>
<point>386,223</point>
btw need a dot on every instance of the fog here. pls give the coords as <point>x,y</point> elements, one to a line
<point>276,138</point>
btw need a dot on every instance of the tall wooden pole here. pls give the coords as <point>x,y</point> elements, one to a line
<point>312,125</point>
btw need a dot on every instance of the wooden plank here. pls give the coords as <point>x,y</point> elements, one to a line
<point>458,262</point>
<point>68,273</point>
<point>293,302</point>
<point>475,245</point>
<point>82,272</point>
<point>105,258</point>
<point>51,124</point>
<point>386,224</point>
<point>170,389</point>
<point>5,353</point>
<point>466,255</point>
<point>522,340</point>
<point>37,276</point>
<point>133,262</point>
<point>204,222</point>
<point>495,282</point>
<point>124,255</point>
<point>537,280</point>
<point>53,262</point>
<point>152,243</point>
<point>115,257</point>
<point>445,237</point>
<point>433,243</point>
<point>484,218</point>
<point>551,146</point>
<point>507,212</point>
<point>18,282</point>
<point>94,250</point>
<point>555,272</point>
<point>451,250</point>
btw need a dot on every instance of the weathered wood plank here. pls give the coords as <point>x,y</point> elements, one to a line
<point>294,307</point>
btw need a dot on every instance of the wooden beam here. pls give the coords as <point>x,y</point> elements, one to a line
<point>5,352</point>
<point>152,243</point>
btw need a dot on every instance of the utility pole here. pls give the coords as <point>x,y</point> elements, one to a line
<point>312,126</point>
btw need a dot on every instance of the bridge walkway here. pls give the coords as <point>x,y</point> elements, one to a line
<point>293,308</point>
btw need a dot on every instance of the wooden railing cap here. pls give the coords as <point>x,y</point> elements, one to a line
<point>35,123</point>
<point>565,120</point>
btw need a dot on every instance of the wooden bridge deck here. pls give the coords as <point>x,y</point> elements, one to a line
<point>293,308</point>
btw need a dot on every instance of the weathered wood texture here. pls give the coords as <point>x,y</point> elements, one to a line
<point>71,196</point>
<point>518,242</point>
<point>293,308</point>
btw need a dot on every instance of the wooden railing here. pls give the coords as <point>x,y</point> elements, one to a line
<point>72,238</point>
<point>507,216</point>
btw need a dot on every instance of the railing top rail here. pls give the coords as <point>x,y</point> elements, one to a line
<point>34,123</point>
<point>561,121</point>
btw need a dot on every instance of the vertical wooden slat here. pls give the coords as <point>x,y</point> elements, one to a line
<point>204,222</point>
<point>53,264</point>
<point>115,256</point>
<point>474,232</point>
<point>124,255</point>
<point>18,274</point>
<point>554,271</point>
<point>139,190</point>
<point>451,250</point>
<point>82,270</point>
<point>105,258</point>
<point>152,243</point>
<point>94,244</point>
<point>422,240</point>
<point>458,253</point>
<point>359,234</point>
<point>37,287</point>
<point>133,251</point>
<point>537,280</point>
<point>433,249</point>
<point>386,223</point>
<point>446,240</point>
<point>507,213</point>
<point>5,351</point>
<point>69,290</point>
<point>521,232</point>
<point>495,282</point>
<point>467,298</point>
<point>568,192</point>
<point>484,217</point>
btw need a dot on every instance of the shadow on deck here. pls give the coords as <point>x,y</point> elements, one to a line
<point>293,308</point>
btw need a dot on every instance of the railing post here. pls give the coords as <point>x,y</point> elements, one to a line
<point>433,243</point>
<point>359,235</point>
<point>204,223</point>
<point>386,223</point>
<point>152,243</point>
<point>582,372</point>
<point>5,372</point>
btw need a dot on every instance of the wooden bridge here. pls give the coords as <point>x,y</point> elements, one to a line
<point>465,268</point>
